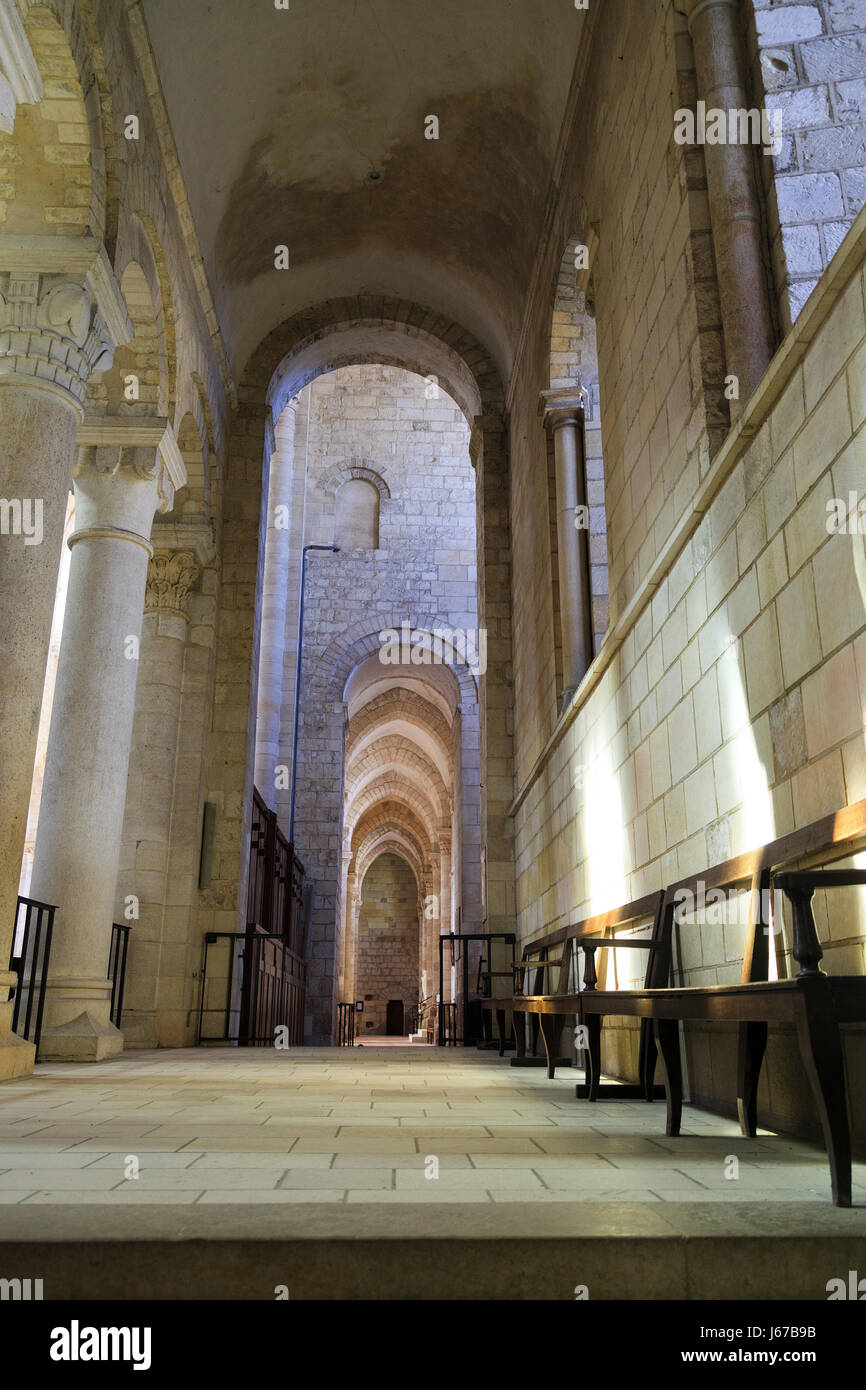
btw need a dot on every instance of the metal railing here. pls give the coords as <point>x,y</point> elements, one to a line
<point>447,1025</point>
<point>251,986</point>
<point>31,945</point>
<point>345,1025</point>
<point>117,968</point>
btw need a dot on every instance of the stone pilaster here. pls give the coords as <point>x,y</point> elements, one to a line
<point>489,451</point>
<point>269,753</point>
<point>127,470</point>
<point>154,836</point>
<point>61,316</point>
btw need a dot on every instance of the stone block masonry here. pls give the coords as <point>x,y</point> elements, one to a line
<point>809,63</point>
<point>387,958</point>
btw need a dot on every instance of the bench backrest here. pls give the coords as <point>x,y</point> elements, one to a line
<point>832,837</point>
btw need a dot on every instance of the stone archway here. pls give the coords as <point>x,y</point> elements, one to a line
<point>381,330</point>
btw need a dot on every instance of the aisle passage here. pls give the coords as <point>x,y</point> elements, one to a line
<point>373,1126</point>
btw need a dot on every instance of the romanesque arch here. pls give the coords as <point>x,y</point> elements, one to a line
<point>328,335</point>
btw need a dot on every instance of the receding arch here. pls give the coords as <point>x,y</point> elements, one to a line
<point>342,332</point>
<point>573,366</point>
<point>192,502</point>
<point>141,244</point>
<point>351,331</point>
<point>134,385</point>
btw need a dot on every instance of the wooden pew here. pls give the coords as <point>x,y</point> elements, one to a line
<point>813,1002</point>
<point>643,910</point>
<point>534,958</point>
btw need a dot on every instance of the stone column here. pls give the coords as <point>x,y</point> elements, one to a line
<point>150,797</point>
<point>563,417</point>
<point>717,36</point>
<point>274,605</point>
<point>488,449</point>
<point>445,883</point>
<point>126,471</point>
<point>430,926</point>
<point>347,879</point>
<point>58,325</point>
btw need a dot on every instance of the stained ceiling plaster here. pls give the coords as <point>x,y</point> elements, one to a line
<point>281,116</point>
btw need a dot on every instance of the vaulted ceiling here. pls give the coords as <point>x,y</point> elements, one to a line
<point>305,127</point>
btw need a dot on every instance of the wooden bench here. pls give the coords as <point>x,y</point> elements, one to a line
<point>534,957</point>
<point>816,1004</point>
<point>644,910</point>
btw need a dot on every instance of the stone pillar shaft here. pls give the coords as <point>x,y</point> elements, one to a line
<point>117,489</point>
<point>564,418</point>
<point>717,37</point>
<point>57,328</point>
<point>274,606</point>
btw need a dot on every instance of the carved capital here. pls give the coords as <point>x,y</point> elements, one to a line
<point>563,407</point>
<point>125,472</point>
<point>52,334</point>
<point>170,577</point>
<point>61,314</point>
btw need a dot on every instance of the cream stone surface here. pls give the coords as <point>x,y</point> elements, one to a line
<point>118,489</point>
<point>553,304</point>
<point>360,1126</point>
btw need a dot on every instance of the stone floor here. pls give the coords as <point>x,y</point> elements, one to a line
<point>371,1125</point>
<point>347,1149</point>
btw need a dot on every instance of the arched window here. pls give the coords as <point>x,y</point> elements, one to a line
<point>356,515</point>
<point>573,402</point>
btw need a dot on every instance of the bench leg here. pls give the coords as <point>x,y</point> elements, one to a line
<point>752,1045</point>
<point>534,1023</point>
<point>821,1049</point>
<point>551,1032</point>
<point>668,1039</point>
<point>518,1023</point>
<point>593,1055</point>
<point>500,1028</point>
<point>647,1059</point>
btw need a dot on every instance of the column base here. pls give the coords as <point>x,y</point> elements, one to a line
<point>82,1039</point>
<point>17,1055</point>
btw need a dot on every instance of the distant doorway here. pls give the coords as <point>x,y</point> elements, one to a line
<point>394,1018</point>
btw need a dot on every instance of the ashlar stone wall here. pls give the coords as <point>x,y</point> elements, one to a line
<point>403,435</point>
<point>728,703</point>
<point>387,956</point>
<point>809,62</point>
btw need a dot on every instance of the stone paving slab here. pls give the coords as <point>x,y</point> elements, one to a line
<point>368,1127</point>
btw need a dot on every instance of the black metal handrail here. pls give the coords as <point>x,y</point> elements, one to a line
<point>447,1024</point>
<point>346,1025</point>
<point>117,968</point>
<point>31,945</point>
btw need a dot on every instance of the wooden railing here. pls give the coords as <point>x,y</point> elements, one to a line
<point>252,991</point>
<point>276,880</point>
